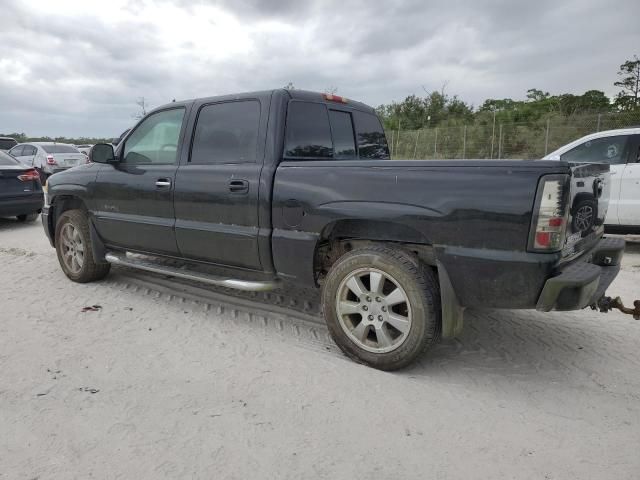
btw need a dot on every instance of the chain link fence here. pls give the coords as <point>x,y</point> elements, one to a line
<point>484,140</point>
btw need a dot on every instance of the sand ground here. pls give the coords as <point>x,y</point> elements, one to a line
<point>175,380</point>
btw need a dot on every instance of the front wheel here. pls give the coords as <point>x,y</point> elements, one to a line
<point>382,306</point>
<point>73,246</point>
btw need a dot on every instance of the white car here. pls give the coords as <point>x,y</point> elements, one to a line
<point>48,157</point>
<point>621,150</point>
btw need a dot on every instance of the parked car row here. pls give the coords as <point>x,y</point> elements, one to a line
<point>48,158</point>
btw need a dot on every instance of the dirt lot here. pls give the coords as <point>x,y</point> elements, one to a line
<point>173,380</point>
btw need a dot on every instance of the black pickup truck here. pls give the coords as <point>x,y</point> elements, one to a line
<point>258,190</point>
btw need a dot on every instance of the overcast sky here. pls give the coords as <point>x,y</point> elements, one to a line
<point>77,67</point>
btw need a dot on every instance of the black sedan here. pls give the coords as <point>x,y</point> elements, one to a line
<point>21,193</point>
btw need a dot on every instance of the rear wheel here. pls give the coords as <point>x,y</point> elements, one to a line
<point>73,246</point>
<point>382,306</point>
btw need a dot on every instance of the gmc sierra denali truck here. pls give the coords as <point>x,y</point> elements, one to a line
<point>292,186</point>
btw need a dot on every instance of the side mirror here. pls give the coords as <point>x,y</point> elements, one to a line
<point>554,157</point>
<point>102,153</point>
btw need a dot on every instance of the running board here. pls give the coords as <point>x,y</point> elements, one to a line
<point>246,285</point>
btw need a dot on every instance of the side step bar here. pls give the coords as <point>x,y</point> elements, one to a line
<point>246,285</point>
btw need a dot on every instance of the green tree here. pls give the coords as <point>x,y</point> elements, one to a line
<point>629,96</point>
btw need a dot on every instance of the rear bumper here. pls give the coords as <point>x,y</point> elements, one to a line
<point>582,283</point>
<point>21,205</point>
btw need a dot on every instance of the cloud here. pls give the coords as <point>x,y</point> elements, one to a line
<point>76,67</point>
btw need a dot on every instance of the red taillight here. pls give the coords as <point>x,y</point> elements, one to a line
<point>334,98</point>
<point>51,160</point>
<point>548,224</point>
<point>29,176</point>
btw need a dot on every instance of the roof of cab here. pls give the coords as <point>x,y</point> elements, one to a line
<point>293,94</point>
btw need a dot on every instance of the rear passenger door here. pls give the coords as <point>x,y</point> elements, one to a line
<point>216,189</point>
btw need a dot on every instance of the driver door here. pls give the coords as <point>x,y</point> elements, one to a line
<point>134,197</point>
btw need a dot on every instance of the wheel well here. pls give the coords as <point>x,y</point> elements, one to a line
<point>343,236</point>
<point>60,205</point>
<point>581,197</point>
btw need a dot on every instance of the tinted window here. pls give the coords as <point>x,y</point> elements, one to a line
<point>226,133</point>
<point>29,150</point>
<point>7,160</point>
<point>155,140</point>
<point>16,151</point>
<point>611,150</point>
<point>344,145</point>
<point>308,133</point>
<point>7,143</point>
<point>372,142</point>
<point>58,149</point>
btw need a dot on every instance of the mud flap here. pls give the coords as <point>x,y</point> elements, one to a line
<point>452,311</point>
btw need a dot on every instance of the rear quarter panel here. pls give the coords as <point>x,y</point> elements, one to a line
<point>465,210</point>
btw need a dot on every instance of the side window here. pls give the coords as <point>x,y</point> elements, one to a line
<point>226,133</point>
<point>29,150</point>
<point>155,140</point>
<point>344,145</point>
<point>372,142</point>
<point>611,150</point>
<point>308,133</point>
<point>16,151</point>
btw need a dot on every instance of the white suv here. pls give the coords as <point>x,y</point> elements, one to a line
<point>620,149</point>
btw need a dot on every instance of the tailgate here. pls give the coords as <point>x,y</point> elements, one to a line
<point>589,200</point>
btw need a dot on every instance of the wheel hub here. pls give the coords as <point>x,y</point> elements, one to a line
<point>373,310</point>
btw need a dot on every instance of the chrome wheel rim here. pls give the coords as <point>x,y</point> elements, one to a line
<point>72,248</point>
<point>373,310</point>
<point>584,217</point>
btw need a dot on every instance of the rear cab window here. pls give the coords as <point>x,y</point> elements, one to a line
<point>372,142</point>
<point>318,131</point>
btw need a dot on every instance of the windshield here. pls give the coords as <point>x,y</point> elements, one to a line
<point>59,149</point>
<point>7,143</point>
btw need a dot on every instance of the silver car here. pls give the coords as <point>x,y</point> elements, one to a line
<point>84,149</point>
<point>48,158</point>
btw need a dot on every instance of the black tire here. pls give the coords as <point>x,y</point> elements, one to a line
<point>422,291</point>
<point>90,269</point>
<point>28,217</point>
<point>584,215</point>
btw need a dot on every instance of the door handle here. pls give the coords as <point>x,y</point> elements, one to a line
<point>239,186</point>
<point>163,182</point>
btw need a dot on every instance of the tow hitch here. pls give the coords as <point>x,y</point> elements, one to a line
<point>607,303</point>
